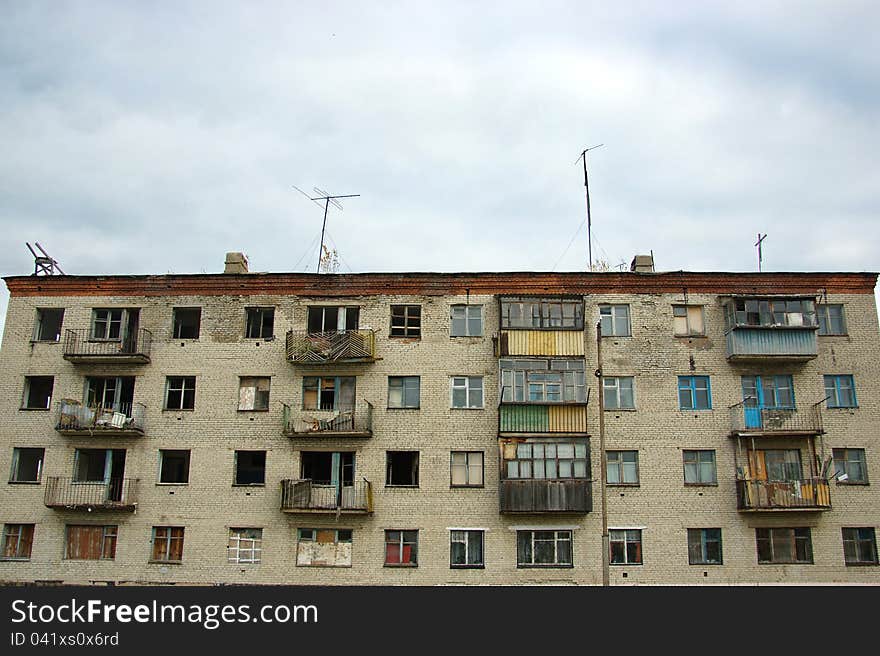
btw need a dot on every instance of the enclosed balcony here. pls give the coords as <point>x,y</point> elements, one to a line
<point>545,475</point>
<point>545,496</point>
<point>552,326</point>
<point>320,497</point>
<point>515,418</point>
<point>747,419</point>
<point>117,494</point>
<point>810,494</point>
<point>357,422</point>
<point>118,420</point>
<point>81,348</point>
<point>770,329</point>
<point>337,346</point>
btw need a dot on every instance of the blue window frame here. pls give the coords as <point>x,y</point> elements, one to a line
<point>841,391</point>
<point>694,393</point>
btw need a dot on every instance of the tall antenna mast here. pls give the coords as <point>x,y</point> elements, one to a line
<point>760,254</point>
<point>327,198</point>
<point>583,156</point>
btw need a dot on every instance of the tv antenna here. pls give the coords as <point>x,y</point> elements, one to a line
<point>45,263</point>
<point>583,156</point>
<point>761,238</point>
<point>328,199</point>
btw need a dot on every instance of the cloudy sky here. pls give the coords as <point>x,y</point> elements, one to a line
<point>155,137</point>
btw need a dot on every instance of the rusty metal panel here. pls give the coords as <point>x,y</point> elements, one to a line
<point>771,343</point>
<point>567,418</point>
<point>569,342</point>
<point>524,418</point>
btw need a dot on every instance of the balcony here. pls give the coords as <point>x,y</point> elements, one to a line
<point>118,494</point>
<point>311,497</point>
<point>761,344</point>
<point>122,420</point>
<point>519,418</point>
<point>775,422</point>
<point>810,494</point>
<point>80,348</point>
<point>329,423</point>
<point>539,342</point>
<point>344,346</point>
<point>770,328</point>
<point>571,496</point>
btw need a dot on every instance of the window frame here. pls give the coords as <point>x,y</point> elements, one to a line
<point>689,332</point>
<point>26,393</point>
<point>168,539</point>
<point>825,320</point>
<point>616,388</point>
<point>183,389</point>
<point>462,536</point>
<point>162,457</point>
<point>109,540</point>
<point>856,541</point>
<point>176,325</point>
<point>38,326</point>
<point>560,536</point>
<point>403,392</point>
<point>846,460</point>
<point>466,310</point>
<point>621,467</point>
<point>537,313</point>
<point>615,537</point>
<point>836,388</point>
<point>24,535</point>
<point>108,322</point>
<point>469,391</point>
<point>15,465</point>
<point>698,464</point>
<point>255,547</point>
<point>524,465</point>
<point>401,543</point>
<point>690,385</point>
<point>262,386</point>
<point>414,471</point>
<point>609,311</point>
<point>467,469</point>
<point>799,535</point>
<point>409,331</point>
<point>253,325</point>
<point>517,381</point>
<point>235,468</point>
<point>704,541</point>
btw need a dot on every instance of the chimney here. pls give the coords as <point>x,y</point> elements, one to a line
<point>236,263</point>
<point>642,264</point>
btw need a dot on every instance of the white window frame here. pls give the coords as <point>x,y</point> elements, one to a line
<point>109,320</point>
<point>614,387</point>
<point>467,314</point>
<point>183,389</point>
<point>462,536</point>
<point>467,467</point>
<point>621,465</point>
<point>244,549</point>
<point>403,391</point>
<point>557,538</point>
<point>620,326</point>
<point>471,391</point>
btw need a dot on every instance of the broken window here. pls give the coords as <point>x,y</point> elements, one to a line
<point>180,392</point>
<point>114,393</point>
<point>784,545</point>
<point>465,548</point>
<point>260,322</point>
<point>186,322</point>
<point>699,467</point>
<point>625,546</point>
<point>622,467</point>
<point>704,546</point>
<point>107,324</point>
<point>167,544</point>
<point>250,468</point>
<point>89,542</point>
<point>467,469</point>
<point>766,313</point>
<point>253,393</point>
<point>542,313</point>
<point>466,320</point>
<point>329,393</point>
<point>614,320</point>
<point>173,466</point>
<point>537,459</point>
<point>831,319</point>
<point>27,465</point>
<point>687,320</point>
<point>780,465</point>
<point>406,321</point>
<point>402,468</point>
<point>403,391</point>
<point>326,318</point>
<point>245,545</point>
<point>850,464</point>
<point>859,546</point>
<point>99,466</point>
<point>543,381</point>
<point>467,391</point>
<point>37,392</point>
<point>543,549</point>
<point>401,548</point>
<point>17,541</point>
<point>323,547</point>
<point>48,324</point>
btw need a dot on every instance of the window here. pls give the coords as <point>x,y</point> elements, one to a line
<point>781,464</point>
<point>325,319</point>
<point>90,542</point>
<point>622,467</point>
<point>704,546</point>
<point>614,320</point>
<point>245,545</point>
<point>617,393</point>
<point>48,324</point>
<point>107,324</point>
<point>173,466</point>
<point>27,465</point>
<point>841,392</point>
<point>467,469</point>
<point>544,380</point>
<point>401,548</point>
<point>851,465</point>
<point>37,392</point>
<point>330,393</point>
<point>406,321</point>
<point>91,465</point>
<point>467,391</point>
<point>767,313</point>
<point>687,321</point>
<point>694,393</point>
<point>111,392</point>
<point>402,468</point>
<point>770,392</point>
<point>260,322</point>
<point>250,468</point>
<point>784,545</point>
<point>859,546</point>
<point>466,320</point>
<point>253,393</point>
<point>186,322</point>
<point>180,392</point>
<point>542,313</point>
<point>167,544</point>
<point>403,391</point>
<point>323,547</point>
<point>831,320</point>
<point>699,467</point>
<point>17,541</point>
<point>465,548</point>
<point>625,546</point>
<point>546,460</point>
<point>543,549</point>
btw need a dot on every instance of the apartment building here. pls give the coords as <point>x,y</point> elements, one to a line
<point>424,428</point>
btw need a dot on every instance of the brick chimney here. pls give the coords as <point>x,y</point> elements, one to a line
<point>236,263</point>
<point>642,264</point>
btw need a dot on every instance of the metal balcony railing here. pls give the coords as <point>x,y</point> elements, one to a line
<point>321,496</point>
<point>329,423</point>
<point>79,346</point>
<point>304,347</point>
<point>115,494</point>
<point>805,494</point>
<point>119,419</point>
<point>777,421</point>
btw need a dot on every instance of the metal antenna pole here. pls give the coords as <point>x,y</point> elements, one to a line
<point>583,156</point>
<point>323,227</point>
<point>327,198</point>
<point>760,254</point>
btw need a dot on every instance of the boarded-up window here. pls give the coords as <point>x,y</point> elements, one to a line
<point>17,541</point>
<point>323,547</point>
<point>687,320</point>
<point>167,543</point>
<point>90,542</point>
<point>253,393</point>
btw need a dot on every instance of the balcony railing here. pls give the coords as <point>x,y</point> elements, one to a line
<point>133,349</point>
<point>782,343</point>
<point>806,494</point>
<point>545,496</point>
<point>568,418</point>
<point>307,496</point>
<point>120,419</point>
<point>745,420</point>
<point>118,494</point>
<point>329,423</point>
<point>341,346</point>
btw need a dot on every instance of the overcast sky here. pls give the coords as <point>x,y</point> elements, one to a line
<point>154,137</point>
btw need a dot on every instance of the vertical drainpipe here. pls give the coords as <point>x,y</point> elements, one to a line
<point>602,458</point>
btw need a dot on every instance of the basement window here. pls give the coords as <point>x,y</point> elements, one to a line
<point>402,469</point>
<point>186,323</point>
<point>48,324</point>
<point>250,468</point>
<point>253,393</point>
<point>37,392</point>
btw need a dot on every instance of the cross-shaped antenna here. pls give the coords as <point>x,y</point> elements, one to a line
<point>583,156</point>
<point>761,238</point>
<point>327,198</point>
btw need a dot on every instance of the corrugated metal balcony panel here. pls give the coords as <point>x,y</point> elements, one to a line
<point>543,418</point>
<point>568,418</point>
<point>775,343</point>
<point>546,496</point>
<point>542,342</point>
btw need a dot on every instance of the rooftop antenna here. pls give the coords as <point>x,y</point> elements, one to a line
<point>44,263</point>
<point>583,156</point>
<point>327,198</point>
<point>761,238</point>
